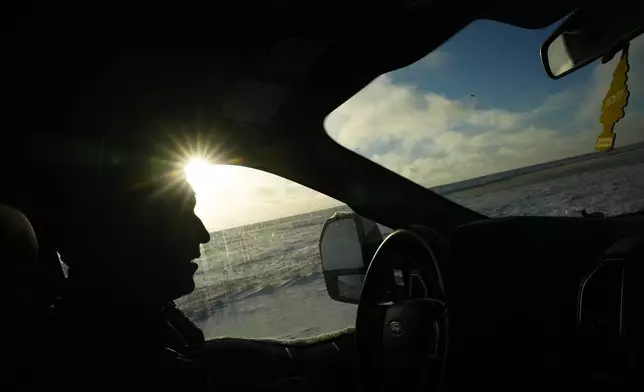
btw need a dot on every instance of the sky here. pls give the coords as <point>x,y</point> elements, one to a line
<point>478,105</point>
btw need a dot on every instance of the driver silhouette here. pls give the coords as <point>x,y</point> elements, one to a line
<point>129,239</point>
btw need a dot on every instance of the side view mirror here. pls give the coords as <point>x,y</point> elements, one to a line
<point>590,33</point>
<point>347,244</point>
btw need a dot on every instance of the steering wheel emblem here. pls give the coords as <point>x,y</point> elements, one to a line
<point>396,327</point>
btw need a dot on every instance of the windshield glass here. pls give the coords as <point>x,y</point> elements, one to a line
<point>479,121</point>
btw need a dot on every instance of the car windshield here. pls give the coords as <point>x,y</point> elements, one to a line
<point>468,121</point>
<point>480,122</point>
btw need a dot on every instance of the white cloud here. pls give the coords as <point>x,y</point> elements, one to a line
<point>434,126</point>
<point>384,112</point>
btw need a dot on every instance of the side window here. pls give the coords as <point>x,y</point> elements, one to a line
<point>260,275</point>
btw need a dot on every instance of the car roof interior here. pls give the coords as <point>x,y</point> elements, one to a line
<point>255,82</point>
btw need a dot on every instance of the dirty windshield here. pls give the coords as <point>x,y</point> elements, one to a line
<point>479,121</point>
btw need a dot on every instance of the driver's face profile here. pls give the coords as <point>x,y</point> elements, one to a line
<point>151,241</point>
<point>182,232</point>
<point>171,237</point>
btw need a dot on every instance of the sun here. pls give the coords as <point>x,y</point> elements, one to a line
<point>198,172</point>
<point>208,179</point>
<point>219,190</point>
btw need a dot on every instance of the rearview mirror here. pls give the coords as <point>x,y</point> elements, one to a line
<point>591,33</point>
<point>347,244</point>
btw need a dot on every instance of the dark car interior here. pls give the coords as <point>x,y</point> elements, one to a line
<point>528,303</point>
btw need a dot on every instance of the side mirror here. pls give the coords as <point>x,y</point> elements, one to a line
<point>347,244</point>
<point>590,33</point>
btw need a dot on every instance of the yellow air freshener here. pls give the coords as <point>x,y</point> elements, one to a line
<point>614,104</point>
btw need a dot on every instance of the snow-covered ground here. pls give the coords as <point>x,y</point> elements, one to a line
<point>264,280</point>
<point>612,191</point>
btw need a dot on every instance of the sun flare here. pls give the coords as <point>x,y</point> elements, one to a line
<point>208,179</point>
<point>198,172</point>
<point>230,196</point>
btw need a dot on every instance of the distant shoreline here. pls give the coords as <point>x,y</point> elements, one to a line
<point>477,182</point>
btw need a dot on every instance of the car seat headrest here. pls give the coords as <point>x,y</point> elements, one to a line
<point>17,238</point>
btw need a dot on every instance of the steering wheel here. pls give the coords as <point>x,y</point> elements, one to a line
<point>402,324</point>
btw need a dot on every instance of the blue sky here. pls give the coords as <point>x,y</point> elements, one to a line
<point>497,63</point>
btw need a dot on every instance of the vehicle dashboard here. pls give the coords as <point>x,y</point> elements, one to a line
<point>513,292</point>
